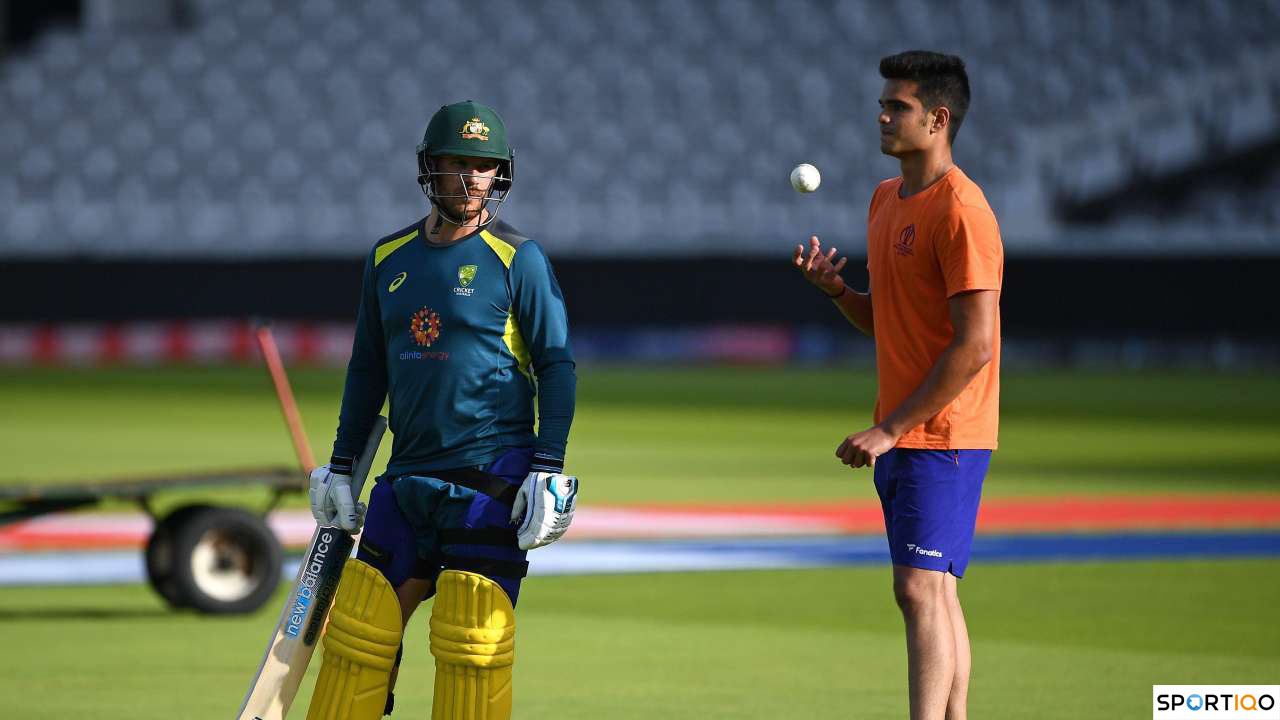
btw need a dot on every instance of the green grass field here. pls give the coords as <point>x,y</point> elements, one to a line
<point>1050,641</point>
<point>709,434</point>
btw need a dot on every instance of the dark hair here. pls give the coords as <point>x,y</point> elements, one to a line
<point>940,81</point>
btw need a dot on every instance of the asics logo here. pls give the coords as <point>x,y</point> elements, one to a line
<point>396,282</point>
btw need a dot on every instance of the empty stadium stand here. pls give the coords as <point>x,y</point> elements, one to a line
<point>287,128</point>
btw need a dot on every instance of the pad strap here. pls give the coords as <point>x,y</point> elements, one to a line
<point>487,566</point>
<point>480,481</point>
<point>504,536</point>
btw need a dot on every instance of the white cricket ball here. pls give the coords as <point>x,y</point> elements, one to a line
<point>805,178</point>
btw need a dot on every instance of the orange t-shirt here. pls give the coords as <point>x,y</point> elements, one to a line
<point>921,250</point>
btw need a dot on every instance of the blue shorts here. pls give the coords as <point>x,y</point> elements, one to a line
<point>930,503</point>
<point>418,525</point>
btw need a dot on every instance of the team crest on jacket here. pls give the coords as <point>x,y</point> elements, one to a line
<point>424,325</point>
<point>473,129</point>
<point>907,241</point>
<point>466,274</point>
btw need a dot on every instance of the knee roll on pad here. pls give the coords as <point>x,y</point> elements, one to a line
<point>473,631</point>
<point>360,645</point>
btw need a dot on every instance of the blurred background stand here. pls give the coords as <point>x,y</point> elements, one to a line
<point>156,154</point>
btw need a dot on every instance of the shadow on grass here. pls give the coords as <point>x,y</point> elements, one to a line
<point>82,613</point>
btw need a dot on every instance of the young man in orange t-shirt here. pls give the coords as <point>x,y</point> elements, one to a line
<point>936,265</point>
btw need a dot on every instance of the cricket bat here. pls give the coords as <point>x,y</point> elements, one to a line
<point>306,608</point>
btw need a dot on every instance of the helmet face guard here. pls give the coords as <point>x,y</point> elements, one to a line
<point>466,129</point>
<point>429,180</point>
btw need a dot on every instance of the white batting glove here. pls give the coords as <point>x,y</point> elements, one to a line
<point>543,508</point>
<point>331,501</point>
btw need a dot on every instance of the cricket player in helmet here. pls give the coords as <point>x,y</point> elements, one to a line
<point>444,181</point>
<point>462,328</point>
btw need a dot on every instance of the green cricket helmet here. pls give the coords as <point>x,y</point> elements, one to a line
<point>466,129</point>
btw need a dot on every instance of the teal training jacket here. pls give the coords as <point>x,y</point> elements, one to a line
<point>463,338</point>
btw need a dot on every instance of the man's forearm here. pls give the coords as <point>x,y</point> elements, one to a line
<point>955,368</point>
<point>557,385</point>
<point>362,399</point>
<point>856,308</point>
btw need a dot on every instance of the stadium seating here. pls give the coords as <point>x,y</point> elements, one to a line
<point>288,127</point>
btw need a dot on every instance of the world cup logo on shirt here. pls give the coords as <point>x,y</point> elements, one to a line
<point>424,325</point>
<point>907,241</point>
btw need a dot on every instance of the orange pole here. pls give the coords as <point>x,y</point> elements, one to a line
<point>284,393</point>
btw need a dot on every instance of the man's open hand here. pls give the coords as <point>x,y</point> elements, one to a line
<point>818,268</point>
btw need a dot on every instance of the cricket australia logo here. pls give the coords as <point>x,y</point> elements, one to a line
<point>906,241</point>
<point>473,129</point>
<point>466,274</point>
<point>424,325</point>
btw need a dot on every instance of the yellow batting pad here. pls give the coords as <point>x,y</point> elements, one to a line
<point>360,645</point>
<point>473,635</point>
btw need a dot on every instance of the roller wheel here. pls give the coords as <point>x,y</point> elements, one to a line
<point>224,560</point>
<point>160,556</point>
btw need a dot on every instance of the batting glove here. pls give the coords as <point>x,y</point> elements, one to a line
<point>331,502</point>
<point>543,508</point>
